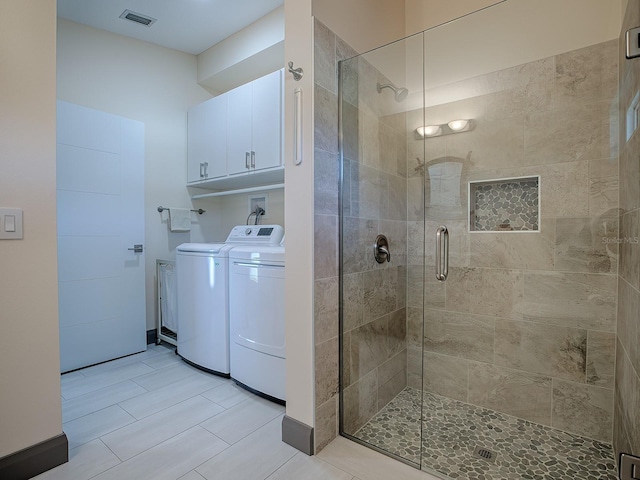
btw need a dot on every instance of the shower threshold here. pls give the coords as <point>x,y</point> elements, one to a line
<point>453,431</point>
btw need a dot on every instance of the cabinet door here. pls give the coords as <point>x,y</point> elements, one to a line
<point>207,140</point>
<point>267,121</point>
<point>239,129</point>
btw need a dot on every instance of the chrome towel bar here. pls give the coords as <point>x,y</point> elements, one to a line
<point>199,210</point>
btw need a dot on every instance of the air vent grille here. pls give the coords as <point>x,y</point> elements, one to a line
<point>138,18</point>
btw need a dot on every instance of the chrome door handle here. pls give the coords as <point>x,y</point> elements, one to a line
<point>253,159</point>
<point>442,254</point>
<point>137,248</point>
<point>381,249</point>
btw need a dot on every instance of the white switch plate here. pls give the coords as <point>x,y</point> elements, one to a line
<point>17,214</point>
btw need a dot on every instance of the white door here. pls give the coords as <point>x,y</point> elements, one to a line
<point>100,217</point>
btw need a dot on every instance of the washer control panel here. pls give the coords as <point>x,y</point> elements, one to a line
<point>261,234</point>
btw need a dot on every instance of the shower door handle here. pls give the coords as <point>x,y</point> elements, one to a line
<point>442,253</point>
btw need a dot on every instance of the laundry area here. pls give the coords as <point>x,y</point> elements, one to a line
<point>180,185</point>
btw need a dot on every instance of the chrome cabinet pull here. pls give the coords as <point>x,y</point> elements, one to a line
<point>253,159</point>
<point>206,168</point>
<point>201,170</point>
<point>442,253</point>
<point>246,160</point>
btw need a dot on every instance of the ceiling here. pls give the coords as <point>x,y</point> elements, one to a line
<point>190,26</point>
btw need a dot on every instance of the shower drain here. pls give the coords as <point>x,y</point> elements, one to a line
<point>485,454</point>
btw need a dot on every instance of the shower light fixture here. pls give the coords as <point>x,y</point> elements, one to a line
<point>429,130</point>
<point>454,126</point>
<point>458,125</point>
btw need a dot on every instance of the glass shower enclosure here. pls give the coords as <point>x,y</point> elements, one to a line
<point>478,202</point>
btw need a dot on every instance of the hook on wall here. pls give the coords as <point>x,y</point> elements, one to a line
<point>296,72</point>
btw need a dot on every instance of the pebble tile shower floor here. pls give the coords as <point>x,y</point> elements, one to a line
<point>453,429</point>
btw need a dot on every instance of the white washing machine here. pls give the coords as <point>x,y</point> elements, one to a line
<point>202,274</point>
<point>202,278</point>
<point>256,316</point>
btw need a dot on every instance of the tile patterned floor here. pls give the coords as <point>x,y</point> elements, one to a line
<point>453,429</point>
<point>152,416</point>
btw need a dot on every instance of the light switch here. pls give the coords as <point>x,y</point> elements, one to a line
<point>10,223</point>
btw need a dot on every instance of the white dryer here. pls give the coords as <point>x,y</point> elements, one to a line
<point>256,316</point>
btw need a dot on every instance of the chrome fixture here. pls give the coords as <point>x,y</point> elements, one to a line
<point>454,126</point>
<point>199,210</point>
<point>400,93</point>
<point>381,249</point>
<point>296,72</point>
<point>632,40</point>
<point>442,254</point>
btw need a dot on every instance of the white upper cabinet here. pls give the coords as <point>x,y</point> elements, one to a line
<point>207,140</point>
<point>247,149</point>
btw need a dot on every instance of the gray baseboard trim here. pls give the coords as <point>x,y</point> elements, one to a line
<point>152,336</point>
<point>36,459</point>
<point>298,435</point>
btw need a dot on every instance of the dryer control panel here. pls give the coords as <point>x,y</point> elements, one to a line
<point>256,234</point>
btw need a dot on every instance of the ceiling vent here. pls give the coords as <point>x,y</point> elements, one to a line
<point>138,18</point>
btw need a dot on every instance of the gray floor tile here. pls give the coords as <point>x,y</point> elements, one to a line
<point>85,462</point>
<point>304,467</point>
<point>170,459</point>
<point>144,434</point>
<point>155,401</point>
<point>99,399</point>
<point>254,457</point>
<point>228,394</point>
<point>94,425</point>
<point>243,419</point>
<point>104,379</point>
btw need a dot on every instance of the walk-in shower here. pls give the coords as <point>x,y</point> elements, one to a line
<point>485,346</point>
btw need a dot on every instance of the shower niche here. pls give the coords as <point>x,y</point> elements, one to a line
<point>505,205</point>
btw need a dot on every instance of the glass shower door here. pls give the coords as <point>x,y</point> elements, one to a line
<point>381,249</point>
<point>521,168</point>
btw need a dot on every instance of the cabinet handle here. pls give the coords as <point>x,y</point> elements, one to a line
<point>201,170</point>
<point>246,160</point>
<point>206,169</point>
<point>253,159</point>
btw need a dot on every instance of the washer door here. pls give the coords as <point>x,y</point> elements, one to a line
<point>256,306</point>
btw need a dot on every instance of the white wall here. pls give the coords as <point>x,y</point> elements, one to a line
<point>246,55</point>
<point>363,24</point>
<point>30,409</point>
<point>156,86</point>
<point>299,217</point>
<point>516,32</point>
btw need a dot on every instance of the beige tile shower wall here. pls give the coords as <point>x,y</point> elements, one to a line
<point>526,322</point>
<point>626,420</point>
<point>375,356</point>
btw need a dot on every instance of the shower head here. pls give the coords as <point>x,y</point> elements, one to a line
<point>400,93</point>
